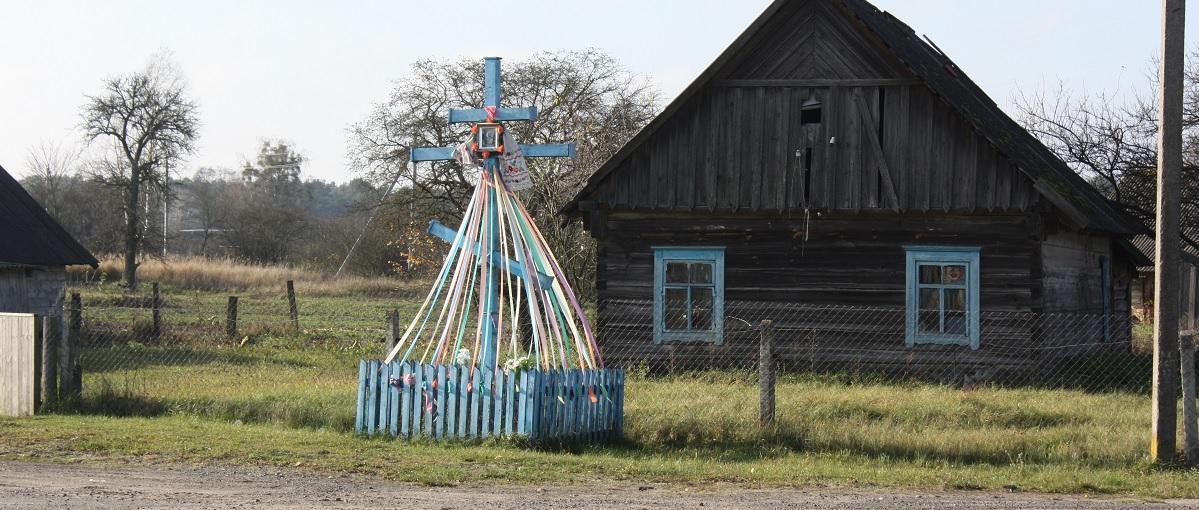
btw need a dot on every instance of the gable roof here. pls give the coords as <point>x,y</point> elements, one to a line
<point>29,236</point>
<point>1080,202</point>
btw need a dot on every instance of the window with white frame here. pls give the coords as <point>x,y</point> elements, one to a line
<point>942,295</point>
<point>688,294</point>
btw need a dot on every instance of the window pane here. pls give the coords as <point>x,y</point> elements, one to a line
<point>701,272</point>
<point>930,274</point>
<point>955,299</point>
<point>674,315</point>
<point>701,309</point>
<point>930,311</point>
<point>955,322</point>
<point>676,272</point>
<point>955,275</point>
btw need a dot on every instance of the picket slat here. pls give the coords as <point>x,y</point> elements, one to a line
<point>372,396</point>
<point>497,403</point>
<point>522,403</point>
<point>427,409</point>
<point>463,395</point>
<point>360,414</point>
<point>383,411</point>
<point>439,404</point>
<point>472,422</point>
<point>510,402</point>
<point>451,402</point>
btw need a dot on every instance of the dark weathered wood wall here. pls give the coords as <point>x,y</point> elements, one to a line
<point>846,261</point>
<point>884,141</point>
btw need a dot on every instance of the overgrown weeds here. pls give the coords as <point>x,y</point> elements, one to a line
<point>229,275</point>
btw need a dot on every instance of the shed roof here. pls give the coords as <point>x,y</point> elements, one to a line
<point>29,235</point>
<point>1081,203</point>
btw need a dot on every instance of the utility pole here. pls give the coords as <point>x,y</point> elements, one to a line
<point>1162,447</point>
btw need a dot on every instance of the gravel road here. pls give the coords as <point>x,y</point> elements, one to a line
<point>36,485</point>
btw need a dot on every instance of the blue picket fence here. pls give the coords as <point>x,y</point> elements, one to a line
<point>442,402</point>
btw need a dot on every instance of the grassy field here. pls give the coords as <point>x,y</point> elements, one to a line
<point>285,397</point>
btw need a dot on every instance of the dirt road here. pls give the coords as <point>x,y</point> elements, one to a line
<point>33,485</point>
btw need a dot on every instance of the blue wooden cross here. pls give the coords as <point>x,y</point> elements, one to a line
<point>491,97</point>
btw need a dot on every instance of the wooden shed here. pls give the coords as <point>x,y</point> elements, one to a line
<point>34,253</point>
<point>832,157</point>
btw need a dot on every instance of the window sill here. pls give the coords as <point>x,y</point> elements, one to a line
<point>964,341</point>
<point>688,337</point>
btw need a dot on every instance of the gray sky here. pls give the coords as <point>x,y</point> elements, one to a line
<point>305,70</point>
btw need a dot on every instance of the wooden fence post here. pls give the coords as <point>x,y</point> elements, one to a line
<point>1190,422</point>
<point>766,374</point>
<point>51,331</point>
<point>393,329</point>
<point>231,317</point>
<point>156,297</point>
<point>293,313</point>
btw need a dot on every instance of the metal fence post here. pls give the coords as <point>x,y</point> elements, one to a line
<point>293,313</point>
<point>156,297</point>
<point>766,374</point>
<point>231,317</point>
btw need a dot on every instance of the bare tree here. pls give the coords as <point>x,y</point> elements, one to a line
<point>50,167</point>
<point>149,120</point>
<point>585,97</point>
<point>1113,144</point>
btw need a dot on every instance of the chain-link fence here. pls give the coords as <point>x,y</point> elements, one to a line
<point>177,347</point>
<point>958,347</point>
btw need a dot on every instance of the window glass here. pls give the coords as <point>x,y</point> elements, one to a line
<point>701,308</point>
<point>930,273</point>
<point>676,272</point>
<point>701,272</point>
<point>955,275</point>
<point>675,316</point>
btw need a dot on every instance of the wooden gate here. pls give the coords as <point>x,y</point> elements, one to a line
<point>20,355</point>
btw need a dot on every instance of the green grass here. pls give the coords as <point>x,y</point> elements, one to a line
<point>287,397</point>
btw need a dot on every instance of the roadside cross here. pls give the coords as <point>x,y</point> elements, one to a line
<point>490,116</point>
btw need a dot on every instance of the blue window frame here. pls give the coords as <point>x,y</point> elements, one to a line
<point>689,294</point>
<point>942,295</point>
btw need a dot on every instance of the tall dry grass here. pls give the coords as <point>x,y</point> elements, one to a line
<point>223,274</point>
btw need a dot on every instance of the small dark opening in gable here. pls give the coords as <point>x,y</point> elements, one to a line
<point>811,112</point>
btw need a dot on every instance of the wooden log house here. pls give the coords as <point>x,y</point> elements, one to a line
<point>831,157</point>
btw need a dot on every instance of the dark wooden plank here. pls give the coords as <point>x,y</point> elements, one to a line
<point>879,159</point>
<point>706,197</point>
<point>729,190</point>
<point>850,186</point>
<point>967,161</point>
<point>832,125</point>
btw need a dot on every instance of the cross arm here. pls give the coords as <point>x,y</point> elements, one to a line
<point>461,116</point>
<point>541,150</point>
<point>447,234</point>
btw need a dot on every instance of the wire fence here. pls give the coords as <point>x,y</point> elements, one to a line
<point>169,347</point>
<point>1094,352</point>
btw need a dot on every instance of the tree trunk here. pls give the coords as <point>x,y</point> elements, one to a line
<point>132,228</point>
